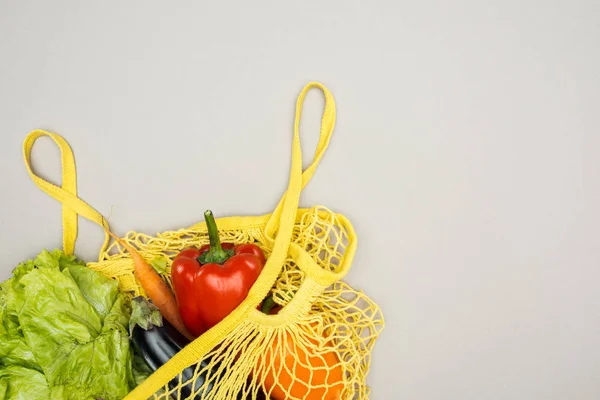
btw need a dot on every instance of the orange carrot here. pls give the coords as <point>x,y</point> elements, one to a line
<point>156,288</point>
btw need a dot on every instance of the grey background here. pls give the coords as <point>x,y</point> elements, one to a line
<point>466,153</point>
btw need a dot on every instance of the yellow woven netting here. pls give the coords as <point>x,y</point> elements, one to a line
<point>317,345</point>
<point>322,345</point>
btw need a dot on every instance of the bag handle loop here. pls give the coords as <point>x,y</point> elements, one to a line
<point>67,192</point>
<point>283,218</point>
<point>283,222</point>
<point>327,125</point>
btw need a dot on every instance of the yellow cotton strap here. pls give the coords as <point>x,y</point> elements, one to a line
<point>327,125</point>
<point>67,192</point>
<point>284,223</point>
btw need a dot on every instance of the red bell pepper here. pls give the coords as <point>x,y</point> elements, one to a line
<point>210,282</point>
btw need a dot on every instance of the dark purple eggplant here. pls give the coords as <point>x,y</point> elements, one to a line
<point>157,341</point>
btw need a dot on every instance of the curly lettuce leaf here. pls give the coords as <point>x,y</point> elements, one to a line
<point>99,291</point>
<point>68,338</point>
<point>56,259</point>
<point>64,326</point>
<point>52,311</point>
<point>101,368</point>
<point>9,321</point>
<point>15,351</point>
<point>19,383</point>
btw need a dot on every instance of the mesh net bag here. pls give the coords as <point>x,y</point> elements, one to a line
<point>319,343</point>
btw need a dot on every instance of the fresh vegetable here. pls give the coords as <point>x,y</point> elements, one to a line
<point>63,333</point>
<point>159,264</point>
<point>156,288</point>
<point>157,341</point>
<point>300,374</point>
<point>210,282</point>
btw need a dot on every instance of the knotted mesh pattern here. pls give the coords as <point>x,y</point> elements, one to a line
<point>316,345</point>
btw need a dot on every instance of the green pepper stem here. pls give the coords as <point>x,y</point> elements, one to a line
<point>213,232</point>
<point>216,253</point>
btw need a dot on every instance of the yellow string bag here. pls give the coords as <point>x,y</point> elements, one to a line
<point>318,345</point>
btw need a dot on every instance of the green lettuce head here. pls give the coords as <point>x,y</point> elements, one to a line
<point>63,333</point>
